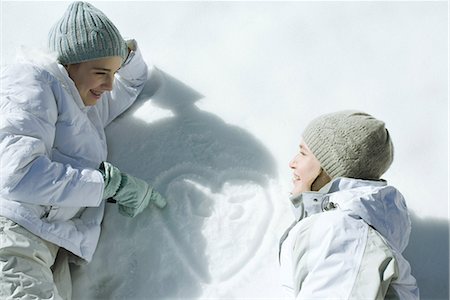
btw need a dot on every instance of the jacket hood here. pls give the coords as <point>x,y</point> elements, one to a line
<point>378,204</point>
<point>47,60</point>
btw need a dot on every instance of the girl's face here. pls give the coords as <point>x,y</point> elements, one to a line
<point>306,168</point>
<point>92,78</point>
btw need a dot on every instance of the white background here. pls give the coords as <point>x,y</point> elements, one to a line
<point>268,68</point>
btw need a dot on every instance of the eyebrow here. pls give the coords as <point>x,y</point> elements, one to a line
<point>102,69</point>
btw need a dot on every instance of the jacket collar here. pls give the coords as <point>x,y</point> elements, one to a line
<point>379,205</point>
<point>48,61</point>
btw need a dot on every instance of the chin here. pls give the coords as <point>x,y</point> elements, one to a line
<point>89,102</point>
<point>295,192</point>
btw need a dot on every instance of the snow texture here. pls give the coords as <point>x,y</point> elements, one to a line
<point>222,116</point>
<point>215,234</point>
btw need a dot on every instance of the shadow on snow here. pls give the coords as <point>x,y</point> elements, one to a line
<point>161,253</point>
<point>428,254</point>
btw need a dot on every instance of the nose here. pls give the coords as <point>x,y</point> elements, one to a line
<point>108,84</point>
<point>293,162</point>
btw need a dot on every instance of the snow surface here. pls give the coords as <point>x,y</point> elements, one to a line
<point>222,115</point>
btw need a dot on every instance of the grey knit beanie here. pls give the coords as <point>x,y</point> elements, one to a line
<point>350,144</point>
<point>85,33</point>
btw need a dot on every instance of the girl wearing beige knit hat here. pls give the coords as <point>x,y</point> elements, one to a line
<point>54,107</point>
<point>351,227</point>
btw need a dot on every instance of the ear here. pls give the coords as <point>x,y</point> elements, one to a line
<point>321,180</point>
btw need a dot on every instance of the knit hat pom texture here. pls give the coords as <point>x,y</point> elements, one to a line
<point>85,33</point>
<point>350,144</point>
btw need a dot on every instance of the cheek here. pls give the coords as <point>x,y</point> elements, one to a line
<point>96,83</point>
<point>80,82</point>
<point>82,88</point>
<point>309,167</point>
<point>314,166</point>
<point>88,84</point>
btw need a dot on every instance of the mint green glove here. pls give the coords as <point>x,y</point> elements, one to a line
<point>132,194</point>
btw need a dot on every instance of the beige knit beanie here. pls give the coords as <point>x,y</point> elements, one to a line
<point>350,144</point>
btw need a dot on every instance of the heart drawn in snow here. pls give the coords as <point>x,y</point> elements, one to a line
<point>216,219</point>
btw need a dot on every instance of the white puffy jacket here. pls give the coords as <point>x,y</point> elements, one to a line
<point>348,244</point>
<point>51,145</point>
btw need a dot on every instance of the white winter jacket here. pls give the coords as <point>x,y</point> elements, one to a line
<point>51,145</point>
<point>348,244</point>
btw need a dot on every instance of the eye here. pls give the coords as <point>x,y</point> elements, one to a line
<point>301,151</point>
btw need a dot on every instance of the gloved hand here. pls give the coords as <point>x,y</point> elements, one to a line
<point>132,194</point>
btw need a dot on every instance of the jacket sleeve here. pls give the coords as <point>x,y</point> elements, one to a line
<point>28,114</point>
<point>335,255</point>
<point>128,84</point>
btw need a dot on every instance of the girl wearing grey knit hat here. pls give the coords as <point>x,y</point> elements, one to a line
<point>351,227</point>
<point>55,181</point>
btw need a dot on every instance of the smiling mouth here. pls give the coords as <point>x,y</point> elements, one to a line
<point>95,93</point>
<point>295,177</point>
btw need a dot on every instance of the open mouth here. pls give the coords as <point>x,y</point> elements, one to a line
<point>96,93</point>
